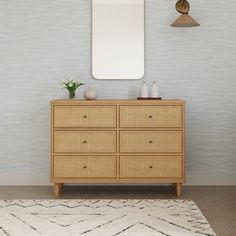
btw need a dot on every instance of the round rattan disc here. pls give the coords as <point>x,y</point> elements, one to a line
<point>182,6</point>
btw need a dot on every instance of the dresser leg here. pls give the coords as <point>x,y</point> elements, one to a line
<point>179,189</point>
<point>56,189</point>
<point>61,185</point>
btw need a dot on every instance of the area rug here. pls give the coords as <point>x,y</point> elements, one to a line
<point>102,218</point>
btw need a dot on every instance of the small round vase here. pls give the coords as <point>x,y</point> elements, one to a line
<point>90,94</point>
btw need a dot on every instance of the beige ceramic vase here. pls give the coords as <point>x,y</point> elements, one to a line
<point>90,94</point>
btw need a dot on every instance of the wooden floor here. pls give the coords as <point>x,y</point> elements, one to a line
<point>218,204</point>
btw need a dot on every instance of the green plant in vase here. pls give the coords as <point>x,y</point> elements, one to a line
<point>71,86</point>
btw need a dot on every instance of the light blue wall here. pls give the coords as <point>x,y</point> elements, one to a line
<point>44,41</point>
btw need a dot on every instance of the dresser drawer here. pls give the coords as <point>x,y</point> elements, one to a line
<point>150,141</point>
<point>84,116</point>
<point>84,141</point>
<point>150,167</point>
<point>84,166</point>
<point>151,116</point>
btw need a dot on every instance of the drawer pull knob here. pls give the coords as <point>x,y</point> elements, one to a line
<point>150,141</point>
<point>150,116</point>
<point>150,167</point>
<point>85,167</point>
<point>84,141</point>
<point>85,116</point>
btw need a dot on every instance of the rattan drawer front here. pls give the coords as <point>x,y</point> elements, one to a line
<point>151,141</point>
<point>84,116</point>
<point>151,116</point>
<point>151,167</point>
<point>84,141</point>
<point>84,166</point>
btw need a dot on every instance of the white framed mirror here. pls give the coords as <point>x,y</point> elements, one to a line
<point>118,39</point>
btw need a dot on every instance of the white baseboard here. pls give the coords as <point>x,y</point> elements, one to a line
<point>211,178</point>
<point>192,178</point>
<point>25,178</point>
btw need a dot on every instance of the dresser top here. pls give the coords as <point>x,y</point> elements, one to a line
<point>117,101</point>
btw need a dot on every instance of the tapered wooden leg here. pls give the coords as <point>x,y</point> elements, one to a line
<point>61,185</point>
<point>56,189</point>
<point>179,189</point>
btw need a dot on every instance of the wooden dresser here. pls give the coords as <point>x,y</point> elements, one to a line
<point>117,142</point>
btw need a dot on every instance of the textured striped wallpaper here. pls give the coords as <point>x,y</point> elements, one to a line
<point>44,41</point>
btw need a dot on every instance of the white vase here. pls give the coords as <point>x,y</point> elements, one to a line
<point>154,90</point>
<point>90,94</point>
<point>144,90</point>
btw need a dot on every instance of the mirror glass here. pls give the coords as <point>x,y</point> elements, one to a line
<point>118,39</point>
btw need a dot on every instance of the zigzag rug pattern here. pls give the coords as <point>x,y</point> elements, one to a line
<point>102,218</point>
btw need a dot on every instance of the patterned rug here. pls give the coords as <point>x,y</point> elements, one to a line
<point>102,218</point>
